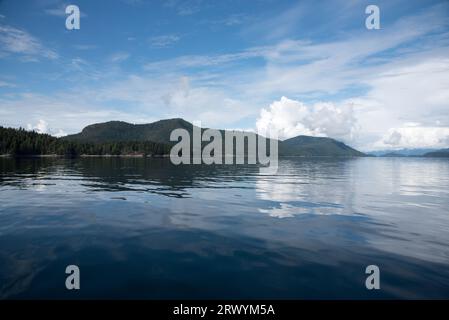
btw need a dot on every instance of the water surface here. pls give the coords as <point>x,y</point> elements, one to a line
<point>143,228</point>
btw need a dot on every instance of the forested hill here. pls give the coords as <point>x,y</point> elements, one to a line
<point>303,146</point>
<point>121,138</point>
<point>19,142</point>
<point>307,146</point>
<point>158,131</point>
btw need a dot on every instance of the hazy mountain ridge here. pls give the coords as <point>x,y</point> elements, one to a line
<point>416,152</point>
<point>442,153</point>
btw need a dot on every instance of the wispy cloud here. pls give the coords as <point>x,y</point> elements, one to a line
<point>164,41</point>
<point>5,84</point>
<point>132,2</point>
<point>232,20</point>
<point>119,56</point>
<point>277,25</point>
<point>184,7</point>
<point>207,61</point>
<point>17,41</point>
<point>59,11</point>
<point>85,46</point>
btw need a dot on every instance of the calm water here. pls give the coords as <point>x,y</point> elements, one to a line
<point>143,228</point>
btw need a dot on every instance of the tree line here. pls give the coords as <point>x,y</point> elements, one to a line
<point>20,142</point>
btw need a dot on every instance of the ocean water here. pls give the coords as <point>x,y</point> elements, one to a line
<point>144,228</point>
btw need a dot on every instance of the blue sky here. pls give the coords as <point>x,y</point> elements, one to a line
<point>297,67</point>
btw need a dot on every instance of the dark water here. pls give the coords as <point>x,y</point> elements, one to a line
<point>143,228</point>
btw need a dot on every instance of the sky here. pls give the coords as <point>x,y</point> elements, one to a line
<point>293,67</point>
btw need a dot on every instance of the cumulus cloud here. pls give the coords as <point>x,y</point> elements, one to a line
<point>40,127</point>
<point>414,136</point>
<point>288,118</point>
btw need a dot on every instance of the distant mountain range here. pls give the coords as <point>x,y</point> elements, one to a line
<point>419,152</point>
<point>159,132</point>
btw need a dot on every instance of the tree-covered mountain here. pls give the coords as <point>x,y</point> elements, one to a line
<point>158,131</point>
<point>442,153</point>
<point>121,138</point>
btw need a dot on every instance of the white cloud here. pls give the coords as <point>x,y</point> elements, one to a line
<point>16,41</point>
<point>59,133</point>
<point>40,127</point>
<point>289,118</point>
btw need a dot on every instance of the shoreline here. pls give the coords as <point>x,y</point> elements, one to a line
<point>167,156</point>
